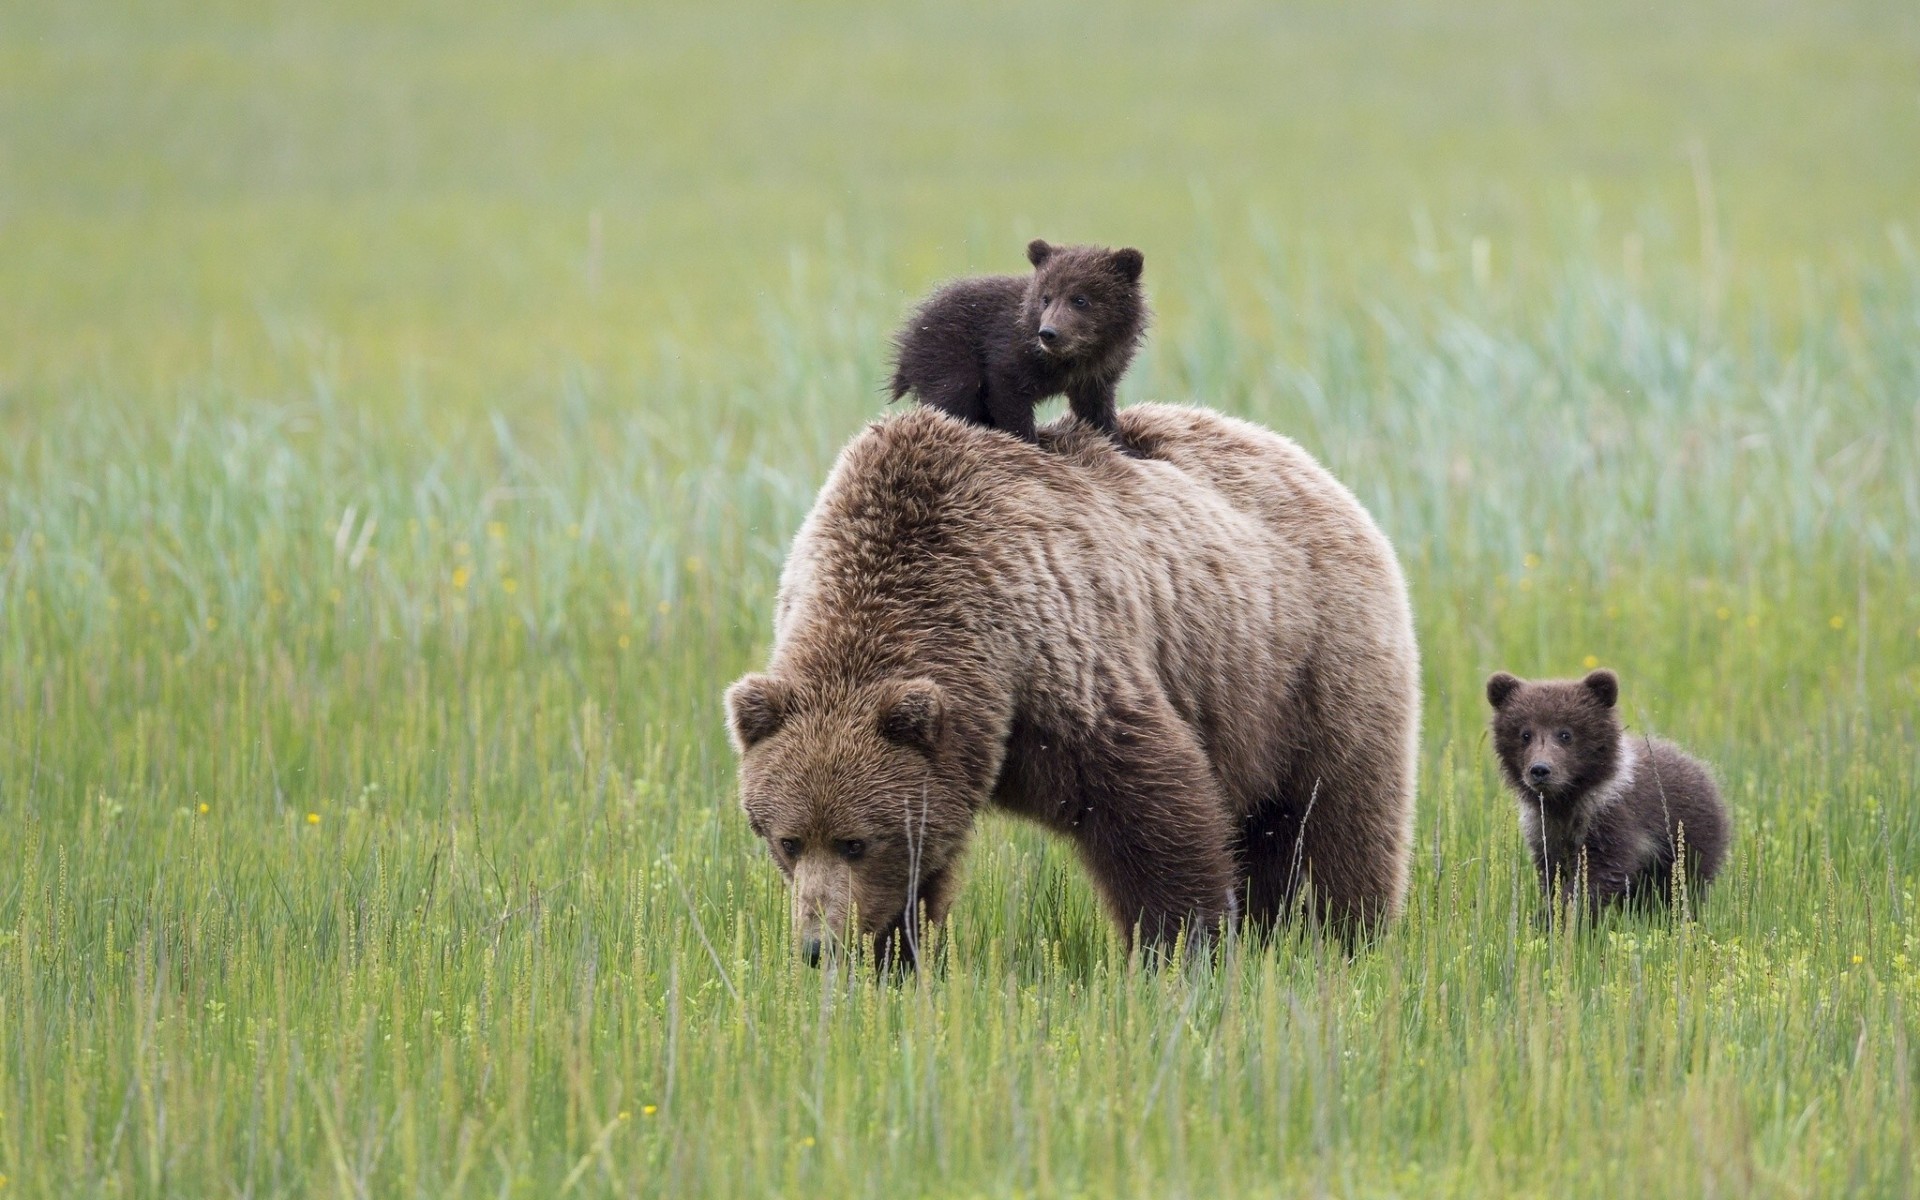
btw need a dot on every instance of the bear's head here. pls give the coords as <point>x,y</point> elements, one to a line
<point>1558,738</point>
<point>851,788</point>
<point>1083,300</point>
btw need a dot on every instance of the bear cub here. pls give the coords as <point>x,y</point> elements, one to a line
<point>990,349</point>
<point>1597,805</point>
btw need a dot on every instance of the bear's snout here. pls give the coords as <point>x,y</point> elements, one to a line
<point>1539,772</point>
<point>1048,334</point>
<point>822,904</point>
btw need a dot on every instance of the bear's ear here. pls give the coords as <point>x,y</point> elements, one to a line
<point>913,715</point>
<point>1129,263</point>
<point>1038,252</point>
<point>757,706</point>
<point>1604,685</point>
<point>1501,686</point>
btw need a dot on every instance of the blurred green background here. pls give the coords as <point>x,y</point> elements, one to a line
<point>423,182</point>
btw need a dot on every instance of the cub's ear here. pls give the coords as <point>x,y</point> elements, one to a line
<point>757,705</point>
<point>914,714</point>
<point>1038,252</point>
<point>1500,686</point>
<point>1604,685</point>
<point>1129,263</point>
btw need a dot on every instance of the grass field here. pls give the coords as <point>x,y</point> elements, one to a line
<point>403,413</point>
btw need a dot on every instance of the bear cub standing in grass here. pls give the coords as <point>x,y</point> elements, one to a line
<point>1589,791</point>
<point>990,349</point>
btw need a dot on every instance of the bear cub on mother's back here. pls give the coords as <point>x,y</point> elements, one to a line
<point>990,349</point>
<point>1596,803</point>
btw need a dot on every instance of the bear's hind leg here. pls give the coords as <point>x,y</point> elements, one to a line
<point>1324,833</point>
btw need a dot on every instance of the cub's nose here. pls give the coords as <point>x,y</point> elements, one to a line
<point>1048,333</point>
<point>810,950</point>
<point>1538,772</point>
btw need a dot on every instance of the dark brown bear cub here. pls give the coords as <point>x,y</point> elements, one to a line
<point>1596,804</point>
<point>991,349</point>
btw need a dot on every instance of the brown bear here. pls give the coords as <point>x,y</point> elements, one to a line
<point>990,349</point>
<point>1597,804</point>
<point>1198,665</point>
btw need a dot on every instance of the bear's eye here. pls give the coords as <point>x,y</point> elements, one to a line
<point>1045,299</point>
<point>852,848</point>
<point>1564,738</point>
<point>790,847</point>
<point>1526,736</point>
<point>1079,301</point>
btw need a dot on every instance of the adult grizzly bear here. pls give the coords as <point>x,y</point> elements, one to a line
<point>1198,664</point>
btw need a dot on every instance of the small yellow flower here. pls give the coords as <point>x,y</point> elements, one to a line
<point>334,595</point>
<point>313,818</point>
<point>460,577</point>
<point>807,1141</point>
<point>693,565</point>
<point>1590,661</point>
<point>1724,613</point>
<point>1530,560</point>
<point>205,808</point>
<point>509,585</point>
<point>1858,959</point>
<point>625,1115</point>
<point>213,623</point>
<point>496,530</point>
<point>1836,621</point>
<point>1753,620</point>
<point>625,641</point>
<point>647,1110</point>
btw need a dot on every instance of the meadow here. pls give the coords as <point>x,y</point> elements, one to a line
<point>403,413</point>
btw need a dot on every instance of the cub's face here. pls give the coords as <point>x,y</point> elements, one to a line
<point>1555,738</point>
<point>1083,297</point>
<point>846,789</point>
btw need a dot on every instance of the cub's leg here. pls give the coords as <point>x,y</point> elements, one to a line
<point>960,395</point>
<point>1094,404</point>
<point>1010,406</point>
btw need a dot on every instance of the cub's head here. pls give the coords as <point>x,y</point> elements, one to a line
<point>1084,299</point>
<point>853,792</point>
<point>1555,738</point>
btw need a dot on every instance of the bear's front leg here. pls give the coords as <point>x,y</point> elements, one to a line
<point>899,944</point>
<point>1151,826</point>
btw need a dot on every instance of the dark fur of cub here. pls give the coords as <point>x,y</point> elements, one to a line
<point>990,349</point>
<point>1599,805</point>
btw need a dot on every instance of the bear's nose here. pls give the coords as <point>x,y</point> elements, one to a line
<point>810,950</point>
<point>1048,333</point>
<point>1539,771</point>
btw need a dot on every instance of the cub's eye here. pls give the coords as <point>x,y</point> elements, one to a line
<point>790,847</point>
<point>1564,738</point>
<point>1045,299</point>
<point>852,848</point>
<point>1526,735</point>
<point>1079,301</point>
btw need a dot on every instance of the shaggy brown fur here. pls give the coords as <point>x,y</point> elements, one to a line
<point>1596,802</point>
<point>1198,665</point>
<point>989,350</point>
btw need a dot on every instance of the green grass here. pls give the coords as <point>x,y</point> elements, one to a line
<point>375,541</point>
